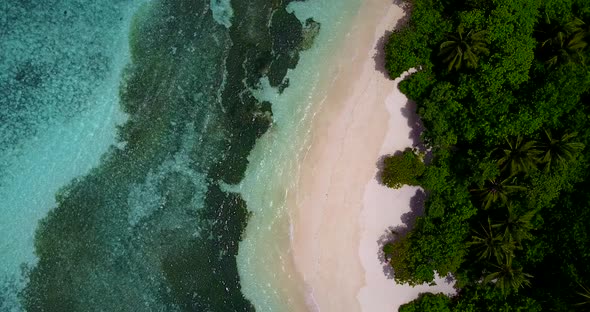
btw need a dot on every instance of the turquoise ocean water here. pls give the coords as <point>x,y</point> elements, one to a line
<point>126,129</point>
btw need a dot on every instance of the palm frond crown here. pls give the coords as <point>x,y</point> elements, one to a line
<point>463,48</point>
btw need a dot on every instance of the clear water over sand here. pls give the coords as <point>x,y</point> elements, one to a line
<point>265,260</point>
<point>60,107</point>
<point>125,124</point>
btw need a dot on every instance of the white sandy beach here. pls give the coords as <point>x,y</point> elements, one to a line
<point>339,210</point>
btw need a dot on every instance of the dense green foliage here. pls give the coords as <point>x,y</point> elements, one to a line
<point>428,303</point>
<point>402,168</point>
<point>504,95</point>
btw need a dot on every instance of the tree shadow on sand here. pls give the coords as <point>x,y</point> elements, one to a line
<point>379,55</point>
<point>394,233</point>
<point>416,129</point>
<point>409,111</point>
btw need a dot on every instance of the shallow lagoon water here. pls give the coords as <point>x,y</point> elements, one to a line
<point>59,86</point>
<point>265,262</point>
<point>122,125</point>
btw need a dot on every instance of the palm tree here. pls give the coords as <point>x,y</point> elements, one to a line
<point>516,227</point>
<point>519,156</point>
<point>559,150</point>
<point>488,245</point>
<point>463,48</point>
<point>494,190</point>
<point>506,277</point>
<point>556,34</point>
<point>564,42</point>
<point>585,293</point>
<point>570,51</point>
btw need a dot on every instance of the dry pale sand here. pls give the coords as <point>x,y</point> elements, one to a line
<point>339,211</point>
<point>384,208</point>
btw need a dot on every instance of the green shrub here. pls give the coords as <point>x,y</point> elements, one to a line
<point>402,168</point>
<point>428,302</point>
<point>416,85</point>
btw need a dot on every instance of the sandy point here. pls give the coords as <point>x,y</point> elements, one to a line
<point>339,211</point>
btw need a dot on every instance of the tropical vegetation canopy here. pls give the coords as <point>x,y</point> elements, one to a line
<point>503,90</point>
